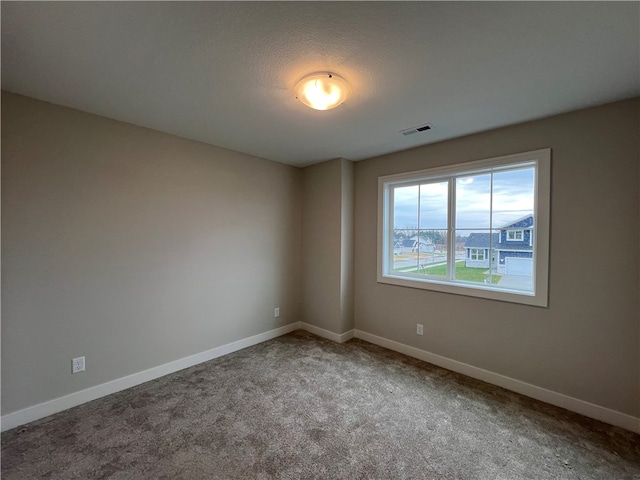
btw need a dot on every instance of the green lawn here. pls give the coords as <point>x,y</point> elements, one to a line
<point>462,273</point>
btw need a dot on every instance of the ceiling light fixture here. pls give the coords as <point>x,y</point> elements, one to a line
<point>322,91</point>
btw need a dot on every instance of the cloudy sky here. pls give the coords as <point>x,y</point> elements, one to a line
<point>510,197</point>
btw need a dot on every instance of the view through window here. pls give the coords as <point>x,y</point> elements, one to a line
<point>473,226</point>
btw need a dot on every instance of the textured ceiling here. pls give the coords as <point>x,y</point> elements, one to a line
<point>224,72</point>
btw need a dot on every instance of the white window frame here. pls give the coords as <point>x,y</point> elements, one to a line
<point>541,159</point>
<point>479,252</point>
<point>521,232</point>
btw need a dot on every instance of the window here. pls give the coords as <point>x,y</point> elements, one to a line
<point>515,235</point>
<point>476,254</point>
<point>479,228</point>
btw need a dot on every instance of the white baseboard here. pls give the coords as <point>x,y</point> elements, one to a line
<point>587,409</point>
<point>36,412</point>
<point>321,332</point>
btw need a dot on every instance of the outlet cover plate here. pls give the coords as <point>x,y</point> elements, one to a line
<point>77,365</point>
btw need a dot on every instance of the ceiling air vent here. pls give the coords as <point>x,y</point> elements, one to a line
<point>412,130</point>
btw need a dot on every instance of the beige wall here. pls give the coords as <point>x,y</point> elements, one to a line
<point>136,248</point>
<point>133,248</point>
<point>327,245</point>
<point>585,344</point>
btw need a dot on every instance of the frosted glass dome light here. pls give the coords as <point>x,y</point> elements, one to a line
<point>322,91</point>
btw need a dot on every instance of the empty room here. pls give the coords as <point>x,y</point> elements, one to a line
<point>333,240</point>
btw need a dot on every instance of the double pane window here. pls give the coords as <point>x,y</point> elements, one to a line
<point>479,229</point>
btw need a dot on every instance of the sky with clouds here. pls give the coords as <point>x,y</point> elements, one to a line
<point>509,198</point>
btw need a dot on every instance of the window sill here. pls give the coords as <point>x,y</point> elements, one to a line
<point>470,290</point>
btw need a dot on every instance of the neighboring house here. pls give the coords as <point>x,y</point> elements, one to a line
<point>423,244</point>
<point>402,244</point>
<point>477,249</point>
<point>511,250</point>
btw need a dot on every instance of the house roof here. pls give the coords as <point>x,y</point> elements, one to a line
<point>522,222</point>
<point>224,73</point>
<point>482,240</point>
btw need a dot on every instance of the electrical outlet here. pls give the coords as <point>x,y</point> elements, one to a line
<point>77,365</point>
<point>419,329</point>
<point>276,312</point>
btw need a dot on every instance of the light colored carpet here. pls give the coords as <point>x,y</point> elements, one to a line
<point>302,407</point>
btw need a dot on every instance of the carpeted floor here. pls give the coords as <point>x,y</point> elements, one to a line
<point>302,407</point>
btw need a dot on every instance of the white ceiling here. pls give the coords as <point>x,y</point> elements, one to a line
<point>224,72</point>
